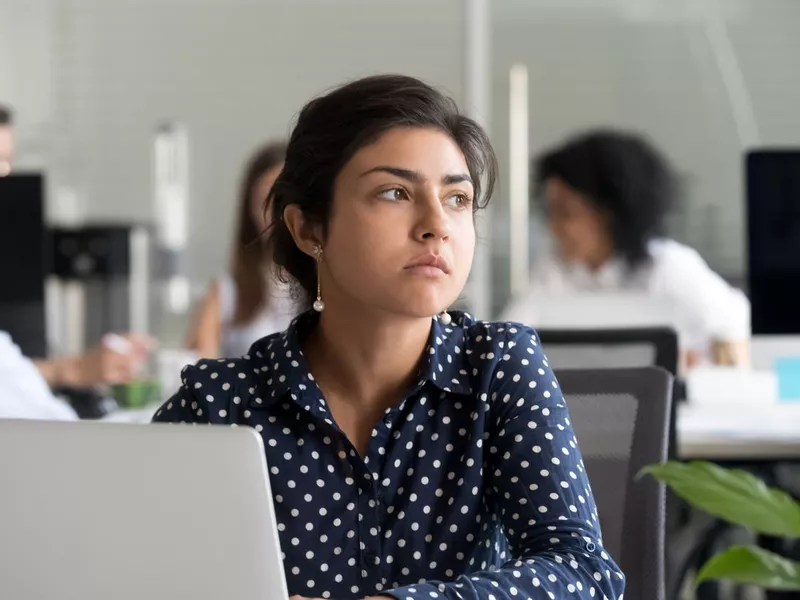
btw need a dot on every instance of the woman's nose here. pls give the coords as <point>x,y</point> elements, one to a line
<point>432,223</point>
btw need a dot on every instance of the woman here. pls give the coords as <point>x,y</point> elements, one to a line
<point>249,302</point>
<point>411,447</point>
<point>607,196</point>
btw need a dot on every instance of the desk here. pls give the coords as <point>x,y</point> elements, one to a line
<point>736,415</point>
<point>132,415</point>
<point>739,434</point>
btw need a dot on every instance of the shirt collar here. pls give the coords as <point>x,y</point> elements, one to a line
<point>286,374</point>
<point>610,274</point>
<point>447,364</point>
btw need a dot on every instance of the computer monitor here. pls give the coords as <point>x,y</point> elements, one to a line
<point>773,236</point>
<point>98,511</point>
<point>22,261</point>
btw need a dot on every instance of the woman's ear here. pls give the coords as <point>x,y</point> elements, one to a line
<point>306,234</point>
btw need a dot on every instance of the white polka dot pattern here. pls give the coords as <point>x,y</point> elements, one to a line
<point>472,486</point>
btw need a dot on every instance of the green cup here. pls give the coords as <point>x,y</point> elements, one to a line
<point>137,394</point>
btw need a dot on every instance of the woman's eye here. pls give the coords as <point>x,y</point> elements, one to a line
<point>459,200</point>
<point>394,194</point>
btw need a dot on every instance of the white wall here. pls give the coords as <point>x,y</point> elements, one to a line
<point>704,78</point>
<point>26,68</point>
<point>91,78</point>
<point>234,71</point>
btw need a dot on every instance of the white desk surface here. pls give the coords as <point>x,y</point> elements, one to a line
<point>737,433</point>
<point>132,415</point>
<point>736,415</point>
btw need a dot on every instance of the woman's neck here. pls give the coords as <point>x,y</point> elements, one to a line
<point>364,357</point>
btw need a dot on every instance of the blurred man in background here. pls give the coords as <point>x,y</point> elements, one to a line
<point>6,140</point>
<point>25,384</point>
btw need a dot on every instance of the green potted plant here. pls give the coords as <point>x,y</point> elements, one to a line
<point>740,498</point>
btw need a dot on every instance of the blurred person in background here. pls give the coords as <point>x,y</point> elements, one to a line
<point>249,302</point>
<point>607,195</point>
<point>25,384</point>
<point>6,140</point>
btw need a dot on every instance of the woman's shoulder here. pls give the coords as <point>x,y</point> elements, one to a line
<point>474,327</point>
<point>669,253</point>
<point>220,387</point>
<point>496,359</point>
<point>232,380</point>
<point>676,265</point>
<point>492,339</point>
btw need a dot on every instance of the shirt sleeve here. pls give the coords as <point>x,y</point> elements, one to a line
<point>536,482</point>
<point>715,310</point>
<point>24,393</point>
<point>184,406</point>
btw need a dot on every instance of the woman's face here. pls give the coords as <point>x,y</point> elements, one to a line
<point>399,203</point>
<point>258,197</point>
<point>581,231</point>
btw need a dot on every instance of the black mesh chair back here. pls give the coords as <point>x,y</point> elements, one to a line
<point>611,348</point>
<point>618,349</point>
<point>621,419</point>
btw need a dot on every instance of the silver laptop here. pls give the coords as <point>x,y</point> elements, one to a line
<point>95,511</point>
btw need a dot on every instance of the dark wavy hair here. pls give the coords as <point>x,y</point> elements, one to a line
<point>249,254</point>
<point>623,175</point>
<point>332,128</point>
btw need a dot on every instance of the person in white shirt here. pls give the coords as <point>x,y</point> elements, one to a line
<point>25,383</point>
<point>607,195</point>
<point>250,301</point>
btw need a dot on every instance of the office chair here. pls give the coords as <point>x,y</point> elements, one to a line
<point>621,419</point>
<point>611,348</point>
<point>618,349</point>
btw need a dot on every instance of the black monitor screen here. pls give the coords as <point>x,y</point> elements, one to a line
<point>22,261</point>
<point>773,223</point>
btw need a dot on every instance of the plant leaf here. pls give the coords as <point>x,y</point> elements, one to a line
<point>731,494</point>
<point>749,564</point>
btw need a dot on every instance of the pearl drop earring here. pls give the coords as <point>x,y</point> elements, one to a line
<point>445,317</point>
<point>318,305</point>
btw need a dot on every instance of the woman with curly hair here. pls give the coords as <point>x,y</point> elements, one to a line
<point>607,195</point>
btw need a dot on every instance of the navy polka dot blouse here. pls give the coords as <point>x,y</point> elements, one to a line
<point>472,487</point>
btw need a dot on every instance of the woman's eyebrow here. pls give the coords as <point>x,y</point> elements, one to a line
<point>416,177</point>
